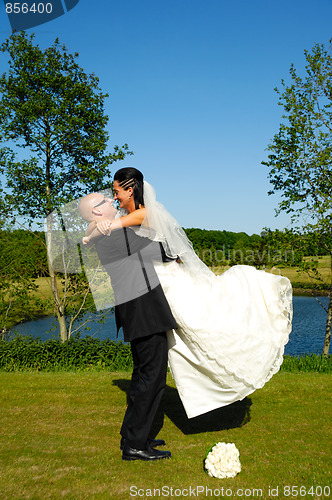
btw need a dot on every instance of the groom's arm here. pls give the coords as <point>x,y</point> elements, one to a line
<point>92,233</point>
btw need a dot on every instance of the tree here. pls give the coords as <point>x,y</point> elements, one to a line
<point>301,156</point>
<point>52,108</point>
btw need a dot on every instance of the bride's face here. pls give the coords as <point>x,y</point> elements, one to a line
<point>123,196</point>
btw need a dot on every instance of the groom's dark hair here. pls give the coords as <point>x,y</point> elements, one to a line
<point>131,177</point>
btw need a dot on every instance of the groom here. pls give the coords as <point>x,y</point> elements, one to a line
<point>144,314</point>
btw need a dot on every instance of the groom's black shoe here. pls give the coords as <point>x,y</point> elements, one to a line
<point>148,454</point>
<point>152,443</point>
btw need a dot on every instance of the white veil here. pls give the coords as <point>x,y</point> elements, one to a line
<point>162,226</point>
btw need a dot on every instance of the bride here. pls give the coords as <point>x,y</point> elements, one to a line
<point>232,328</point>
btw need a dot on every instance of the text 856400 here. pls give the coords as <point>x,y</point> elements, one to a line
<point>24,8</point>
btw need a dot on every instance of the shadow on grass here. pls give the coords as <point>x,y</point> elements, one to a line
<point>227,417</point>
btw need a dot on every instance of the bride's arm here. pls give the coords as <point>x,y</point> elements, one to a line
<point>135,218</point>
<point>96,229</point>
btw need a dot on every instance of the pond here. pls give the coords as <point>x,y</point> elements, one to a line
<point>307,335</point>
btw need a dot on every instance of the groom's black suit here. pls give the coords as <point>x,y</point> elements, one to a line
<point>144,314</point>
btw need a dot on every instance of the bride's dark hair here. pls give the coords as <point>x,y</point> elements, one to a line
<point>131,177</point>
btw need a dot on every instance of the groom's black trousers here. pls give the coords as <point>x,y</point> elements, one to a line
<point>142,311</point>
<point>146,388</point>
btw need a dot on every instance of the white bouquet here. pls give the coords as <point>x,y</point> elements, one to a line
<point>223,461</point>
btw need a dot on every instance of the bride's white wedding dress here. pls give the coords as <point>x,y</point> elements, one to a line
<point>231,333</point>
<point>232,328</point>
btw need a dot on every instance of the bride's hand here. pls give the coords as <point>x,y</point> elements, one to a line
<point>104,227</point>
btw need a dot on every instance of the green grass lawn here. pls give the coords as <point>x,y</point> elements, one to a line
<point>60,439</point>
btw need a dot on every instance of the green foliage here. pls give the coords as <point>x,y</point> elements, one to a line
<point>301,159</point>
<point>203,238</point>
<point>270,248</point>
<point>28,353</point>
<point>84,354</point>
<point>220,248</point>
<point>312,363</point>
<point>30,263</point>
<point>290,247</point>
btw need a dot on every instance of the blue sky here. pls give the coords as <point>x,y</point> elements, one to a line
<point>191,87</point>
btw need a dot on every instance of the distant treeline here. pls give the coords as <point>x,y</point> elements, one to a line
<point>282,248</point>
<point>26,251</point>
<point>225,247</point>
<point>23,251</point>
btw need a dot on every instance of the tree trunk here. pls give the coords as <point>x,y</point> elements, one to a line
<point>59,307</point>
<point>327,340</point>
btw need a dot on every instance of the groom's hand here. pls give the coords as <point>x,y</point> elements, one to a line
<point>86,241</point>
